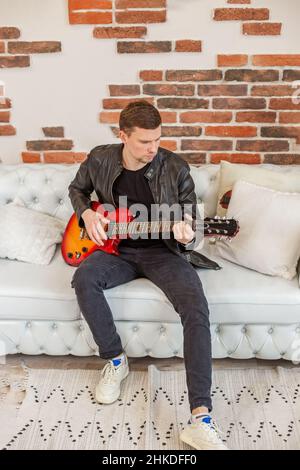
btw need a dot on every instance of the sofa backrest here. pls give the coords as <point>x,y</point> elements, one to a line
<point>44,187</point>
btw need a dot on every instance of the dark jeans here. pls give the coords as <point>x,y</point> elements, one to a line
<point>181,284</point>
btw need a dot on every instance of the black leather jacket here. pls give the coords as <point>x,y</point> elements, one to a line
<point>169,180</point>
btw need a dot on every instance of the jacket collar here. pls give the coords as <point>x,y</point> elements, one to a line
<point>152,169</point>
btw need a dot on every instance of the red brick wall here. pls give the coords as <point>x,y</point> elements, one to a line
<point>245,111</point>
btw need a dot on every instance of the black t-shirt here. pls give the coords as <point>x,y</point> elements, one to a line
<point>134,185</point>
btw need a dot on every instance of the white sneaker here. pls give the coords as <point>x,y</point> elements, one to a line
<point>109,386</point>
<point>202,434</point>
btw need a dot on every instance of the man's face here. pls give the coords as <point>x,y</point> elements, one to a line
<point>142,144</point>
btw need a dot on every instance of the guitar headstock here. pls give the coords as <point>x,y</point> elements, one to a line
<point>220,227</point>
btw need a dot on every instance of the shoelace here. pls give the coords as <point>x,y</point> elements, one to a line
<point>108,372</point>
<point>213,430</point>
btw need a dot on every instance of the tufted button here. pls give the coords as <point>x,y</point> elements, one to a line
<point>28,324</point>
<point>69,348</point>
<point>135,328</point>
<point>218,329</point>
<point>244,329</point>
<point>282,353</point>
<point>8,201</point>
<point>41,348</point>
<point>54,326</point>
<point>175,352</point>
<point>270,330</point>
<point>255,352</point>
<point>147,351</point>
<point>81,327</point>
<point>17,346</point>
<point>229,352</point>
<point>61,201</point>
<point>162,329</point>
<point>35,200</point>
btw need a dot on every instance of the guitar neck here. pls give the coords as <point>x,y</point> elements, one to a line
<point>137,228</point>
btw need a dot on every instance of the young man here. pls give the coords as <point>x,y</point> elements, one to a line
<point>146,174</point>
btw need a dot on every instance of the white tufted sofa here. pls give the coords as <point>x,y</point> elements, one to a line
<point>252,315</point>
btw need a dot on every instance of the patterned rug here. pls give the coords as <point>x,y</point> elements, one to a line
<point>255,408</point>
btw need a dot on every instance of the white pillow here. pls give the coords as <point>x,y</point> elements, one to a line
<point>269,236</point>
<point>28,235</point>
<point>230,173</point>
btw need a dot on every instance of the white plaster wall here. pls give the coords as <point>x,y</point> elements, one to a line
<point>67,88</point>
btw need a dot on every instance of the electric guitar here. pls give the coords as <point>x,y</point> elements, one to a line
<point>77,246</point>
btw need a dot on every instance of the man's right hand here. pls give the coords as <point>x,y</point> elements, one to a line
<point>94,223</point>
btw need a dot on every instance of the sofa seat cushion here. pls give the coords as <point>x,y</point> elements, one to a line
<point>235,295</point>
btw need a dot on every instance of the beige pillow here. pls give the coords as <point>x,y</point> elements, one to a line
<point>232,172</point>
<point>269,237</point>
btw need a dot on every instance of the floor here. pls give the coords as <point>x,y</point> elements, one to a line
<point>93,362</point>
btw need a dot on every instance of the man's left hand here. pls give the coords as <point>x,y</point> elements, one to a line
<point>183,231</point>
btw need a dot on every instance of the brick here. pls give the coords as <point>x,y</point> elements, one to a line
<point>41,145</point>
<point>187,45</point>
<point>250,75</point>
<point>282,158</point>
<point>34,47</point>
<point>14,61</point>
<point>57,131</point>
<point>107,117</point>
<point>169,145</point>
<point>5,103</point>
<point>169,89</point>
<point>7,129</point>
<point>90,4</point>
<point>248,158</point>
<point>2,47</point>
<point>139,17</point>
<point>120,103</point>
<point>272,90</point>
<point>151,75</point>
<point>193,75</point>
<point>284,103</point>
<point>276,60</point>
<point>231,131</point>
<point>90,17</point>
<point>281,131</point>
<point>181,131</point>
<point>178,103</point>
<point>143,47</point>
<point>9,32</point>
<point>262,29</point>
<point>64,157</point>
<point>31,157</point>
<point>291,75</point>
<point>289,118</point>
<point>222,90</point>
<point>248,14</point>
<point>256,116</point>
<point>239,1</point>
<point>205,116</point>
<point>4,116</point>
<point>263,145</point>
<point>194,158</point>
<point>203,144</point>
<point>120,32</point>
<point>123,4</point>
<point>239,103</point>
<point>232,60</point>
<point>168,116</point>
<point>124,90</point>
